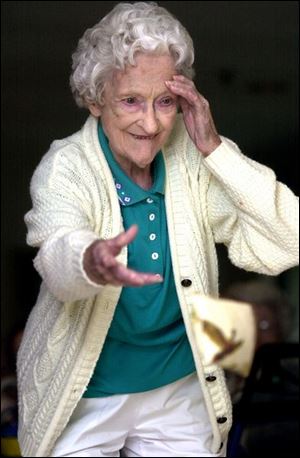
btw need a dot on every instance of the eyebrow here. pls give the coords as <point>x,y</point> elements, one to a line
<point>136,94</point>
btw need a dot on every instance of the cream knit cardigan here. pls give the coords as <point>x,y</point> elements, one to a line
<point>225,197</point>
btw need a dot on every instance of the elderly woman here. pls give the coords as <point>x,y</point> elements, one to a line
<point>126,213</point>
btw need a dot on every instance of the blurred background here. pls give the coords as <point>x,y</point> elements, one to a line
<point>246,66</point>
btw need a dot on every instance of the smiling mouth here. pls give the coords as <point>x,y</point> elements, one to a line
<point>143,137</point>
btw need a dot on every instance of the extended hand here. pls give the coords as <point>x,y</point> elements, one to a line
<point>196,114</point>
<point>102,267</point>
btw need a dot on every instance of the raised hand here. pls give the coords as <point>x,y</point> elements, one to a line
<point>102,267</point>
<point>196,114</point>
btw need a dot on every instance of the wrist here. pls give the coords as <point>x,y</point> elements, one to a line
<point>89,264</point>
<point>209,147</point>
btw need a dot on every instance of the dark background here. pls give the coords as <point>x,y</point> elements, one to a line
<point>246,65</point>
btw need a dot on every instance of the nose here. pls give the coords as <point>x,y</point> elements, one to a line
<point>149,121</point>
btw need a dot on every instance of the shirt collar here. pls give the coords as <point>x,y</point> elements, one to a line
<point>129,192</point>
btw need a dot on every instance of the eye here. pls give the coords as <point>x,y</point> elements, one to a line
<point>130,100</point>
<point>167,101</point>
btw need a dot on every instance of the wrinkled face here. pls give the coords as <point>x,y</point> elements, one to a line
<point>138,111</point>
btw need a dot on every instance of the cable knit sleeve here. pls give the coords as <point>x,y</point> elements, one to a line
<point>254,215</point>
<point>61,222</point>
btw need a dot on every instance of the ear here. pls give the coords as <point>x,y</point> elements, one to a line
<point>95,109</point>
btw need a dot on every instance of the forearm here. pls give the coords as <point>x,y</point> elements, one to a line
<point>60,262</point>
<point>252,213</point>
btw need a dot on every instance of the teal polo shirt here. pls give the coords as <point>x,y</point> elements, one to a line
<point>146,346</point>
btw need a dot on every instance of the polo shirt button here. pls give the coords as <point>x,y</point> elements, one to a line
<point>152,216</point>
<point>221,420</point>
<point>152,236</point>
<point>149,200</point>
<point>154,256</point>
<point>186,282</point>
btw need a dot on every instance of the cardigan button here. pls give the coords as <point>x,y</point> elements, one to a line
<point>221,420</point>
<point>211,378</point>
<point>186,282</point>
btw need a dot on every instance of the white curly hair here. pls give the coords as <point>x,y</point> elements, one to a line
<point>113,42</point>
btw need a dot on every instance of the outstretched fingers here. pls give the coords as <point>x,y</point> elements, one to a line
<point>128,277</point>
<point>120,241</point>
<point>110,271</point>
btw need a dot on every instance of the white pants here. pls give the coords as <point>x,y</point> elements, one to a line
<point>168,421</point>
